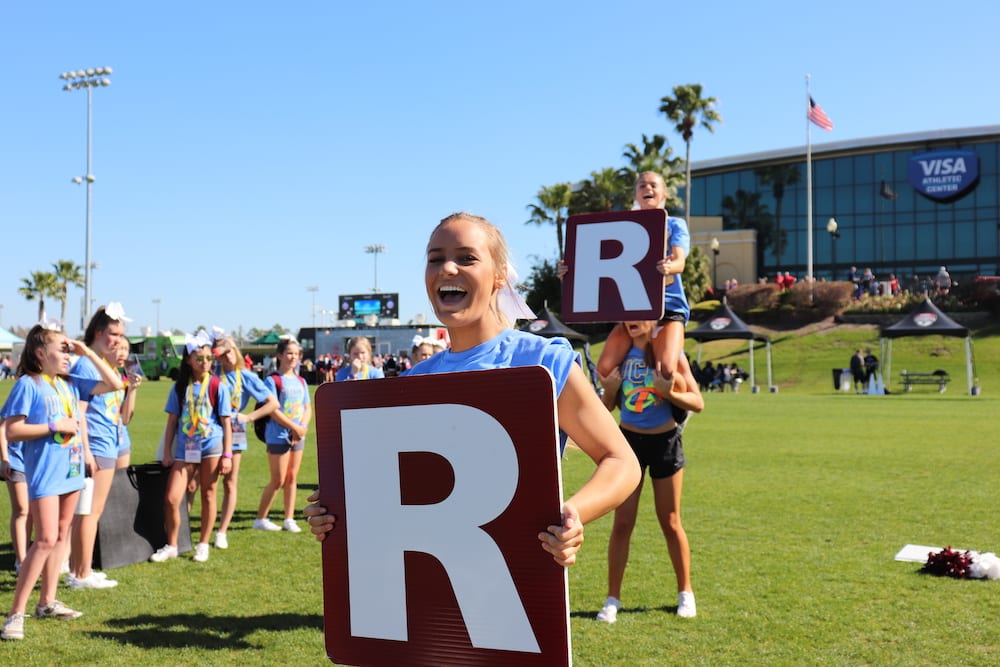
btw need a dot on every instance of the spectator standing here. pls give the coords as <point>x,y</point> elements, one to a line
<point>871,366</point>
<point>858,371</point>
<point>942,282</point>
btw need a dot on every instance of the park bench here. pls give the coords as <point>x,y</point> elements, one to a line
<point>910,378</point>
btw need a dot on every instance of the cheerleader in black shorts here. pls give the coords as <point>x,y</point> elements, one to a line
<point>653,412</point>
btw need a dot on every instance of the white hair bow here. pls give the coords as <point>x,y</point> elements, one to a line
<point>50,324</point>
<point>116,311</point>
<point>218,333</point>
<point>197,341</point>
<point>511,304</point>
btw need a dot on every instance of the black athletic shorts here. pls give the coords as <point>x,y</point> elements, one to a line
<point>662,453</point>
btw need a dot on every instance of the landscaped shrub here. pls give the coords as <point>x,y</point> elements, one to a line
<point>755,297</point>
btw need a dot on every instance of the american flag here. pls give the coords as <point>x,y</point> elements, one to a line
<point>818,116</point>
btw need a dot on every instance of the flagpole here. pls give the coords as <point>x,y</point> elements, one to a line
<point>809,195</point>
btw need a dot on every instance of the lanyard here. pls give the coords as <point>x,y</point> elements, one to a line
<point>194,408</point>
<point>237,397</point>
<point>65,395</point>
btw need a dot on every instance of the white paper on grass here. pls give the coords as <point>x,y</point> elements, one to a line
<point>915,553</point>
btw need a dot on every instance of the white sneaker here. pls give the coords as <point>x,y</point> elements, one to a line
<point>56,609</point>
<point>220,541</point>
<point>164,553</point>
<point>201,552</point>
<point>291,526</point>
<point>609,612</point>
<point>91,581</point>
<point>265,524</point>
<point>13,627</point>
<point>685,605</point>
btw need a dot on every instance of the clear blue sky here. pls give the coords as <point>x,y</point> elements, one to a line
<point>246,151</point>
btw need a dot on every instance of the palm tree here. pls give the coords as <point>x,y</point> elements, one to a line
<point>688,109</point>
<point>551,209</point>
<point>605,190</point>
<point>41,285</point>
<point>66,273</point>
<point>778,176</point>
<point>655,155</point>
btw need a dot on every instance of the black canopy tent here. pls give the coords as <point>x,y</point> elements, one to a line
<point>724,324</point>
<point>928,320</point>
<point>548,325</point>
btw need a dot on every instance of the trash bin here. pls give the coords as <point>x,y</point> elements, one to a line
<point>842,379</point>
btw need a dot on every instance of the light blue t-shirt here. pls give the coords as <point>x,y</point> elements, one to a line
<point>208,431</point>
<point>249,386</point>
<point>15,450</point>
<point>509,349</point>
<point>344,373</point>
<point>103,411</point>
<point>292,401</point>
<point>53,465</point>
<point>674,300</point>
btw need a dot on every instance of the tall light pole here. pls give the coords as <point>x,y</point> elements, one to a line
<point>715,261</point>
<point>831,226</point>
<point>157,302</point>
<point>87,79</point>
<point>375,249</point>
<point>313,289</point>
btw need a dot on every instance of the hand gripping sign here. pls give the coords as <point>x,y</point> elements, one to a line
<point>441,484</point>
<point>611,259</point>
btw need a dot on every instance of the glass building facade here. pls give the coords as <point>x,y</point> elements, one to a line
<point>885,220</point>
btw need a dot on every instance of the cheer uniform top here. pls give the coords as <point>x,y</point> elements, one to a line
<point>372,373</point>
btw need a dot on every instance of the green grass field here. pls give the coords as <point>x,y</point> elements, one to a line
<point>795,503</point>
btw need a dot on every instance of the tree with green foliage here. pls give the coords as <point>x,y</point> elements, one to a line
<point>696,277</point>
<point>67,273</point>
<point>687,109</point>
<point>778,176</point>
<point>606,190</point>
<point>543,286</point>
<point>552,209</point>
<point>41,285</point>
<point>744,210</point>
<point>655,155</point>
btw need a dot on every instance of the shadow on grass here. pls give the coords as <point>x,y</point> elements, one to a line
<point>201,631</point>
<point>666,609</point>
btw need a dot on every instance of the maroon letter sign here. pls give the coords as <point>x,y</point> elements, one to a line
<point>441,484</point>
<point>612,259</point>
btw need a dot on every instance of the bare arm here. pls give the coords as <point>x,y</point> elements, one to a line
<point>685,392</point>
<point>583,417</point>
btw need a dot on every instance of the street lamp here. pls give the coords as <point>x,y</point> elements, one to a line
<point>157,302</point>
<point>375,249</point>
<point>75,80</point>
<point>714,245</point>
<point>313,289</point>
<point>831,226</point>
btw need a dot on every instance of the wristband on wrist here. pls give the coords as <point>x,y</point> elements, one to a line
<point>52,427</point>
<point>227,455</point>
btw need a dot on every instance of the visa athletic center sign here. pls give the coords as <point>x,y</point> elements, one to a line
<point>944,175</point>
<point>441,484</point>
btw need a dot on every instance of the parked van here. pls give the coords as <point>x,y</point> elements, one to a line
<point>159,355</point>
